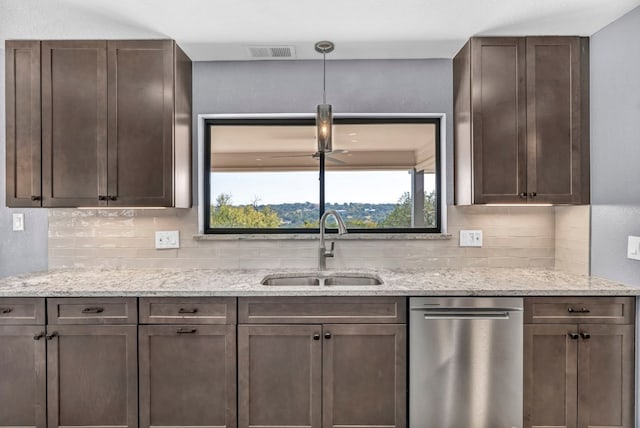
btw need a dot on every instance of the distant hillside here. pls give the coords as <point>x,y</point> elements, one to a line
<point>296,214</point>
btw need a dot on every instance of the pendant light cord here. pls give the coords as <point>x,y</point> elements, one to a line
<point>324,77</point>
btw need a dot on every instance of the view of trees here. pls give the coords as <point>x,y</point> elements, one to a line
<point>305,215</point>
<point>401,214</point>
<point>223,214</point>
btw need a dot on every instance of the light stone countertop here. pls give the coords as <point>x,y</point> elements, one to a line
<point>398,282</point>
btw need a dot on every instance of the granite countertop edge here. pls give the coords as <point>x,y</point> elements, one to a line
<point>102,282</point>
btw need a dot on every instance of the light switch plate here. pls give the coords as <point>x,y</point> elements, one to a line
<point>633,248</point>
<point>167,239</point>
<point>18,222</point>
<point>471,238</point>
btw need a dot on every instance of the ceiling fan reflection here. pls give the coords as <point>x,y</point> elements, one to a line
<point>327,155</point>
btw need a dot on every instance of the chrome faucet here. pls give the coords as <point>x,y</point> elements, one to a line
<point>323,253</point>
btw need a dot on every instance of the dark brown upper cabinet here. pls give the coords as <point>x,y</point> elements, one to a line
<point>22,62</point>
<point>106,123</point>
<point>521,120</point>
<point>74,123</point>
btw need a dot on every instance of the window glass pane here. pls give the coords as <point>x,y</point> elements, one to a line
<point>264,199</point>
<point>382,176</point>
<point>263,177</point>
<point>266,175</point>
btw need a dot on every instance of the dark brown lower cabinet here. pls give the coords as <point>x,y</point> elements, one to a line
<point>364,371</point>
<point>550,376</point>
<point>329,375</point>
<point>606,376</point>
<point>92,376</point>
<point>187,376</point>
<point>279,376</point>
<point>578,375</point>
<point>22,377</point>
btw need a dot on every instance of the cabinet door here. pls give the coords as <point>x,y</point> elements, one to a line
<point>606,376</point>
<point>22,64</point>
<point>498,119</point>
<point>557,121</point>
<point>550,375</point>
<point>22,383</point>
<point>74,118</point>
<point>140,130</point>
<point>364,370</point>
<point>279,376</point>
<point>92,376</point>
<point>188,376</point>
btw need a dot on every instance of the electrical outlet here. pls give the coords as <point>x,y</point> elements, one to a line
<point>633,248</point>
<point>471,238</point>
<point>167,239</point>
<point>18,222</point>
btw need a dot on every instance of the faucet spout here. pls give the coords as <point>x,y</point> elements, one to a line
<point>323,254</point>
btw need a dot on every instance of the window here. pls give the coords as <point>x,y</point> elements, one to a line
<point>265,175</point>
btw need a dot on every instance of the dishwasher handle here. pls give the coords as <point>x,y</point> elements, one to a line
<point>467,313</point>
<point>467,316</point>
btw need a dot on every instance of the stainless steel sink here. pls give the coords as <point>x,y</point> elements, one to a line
<point>290,280</point>
<point>330,280</point>
<point>352,280</point>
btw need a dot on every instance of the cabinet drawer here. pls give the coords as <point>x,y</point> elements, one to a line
<point>187,310</point>
<point>92,310</point>
<point>325,310</point>
<point>584,310</point>
<point>19,311</point>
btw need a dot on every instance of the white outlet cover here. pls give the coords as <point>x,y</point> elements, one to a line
<point>471,238</point>
<point>167,239</point>
<point>18,222</point>
<point>633,248</point>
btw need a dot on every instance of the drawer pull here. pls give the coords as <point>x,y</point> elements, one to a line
<point>327,335</point>
<point>188,311</point>
<point>585,335</point>
<point>316,336</point>
<point>186,331</point>
<point>574,336</point>
<point>578,311</point>
<point>93,310</point>
<point>6,310</point>
<point>52,335</point>
<point>39,336</point>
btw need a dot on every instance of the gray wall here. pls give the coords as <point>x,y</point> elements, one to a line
<point>26,251</point>
<point>376,86</point>
<point>615,148</point>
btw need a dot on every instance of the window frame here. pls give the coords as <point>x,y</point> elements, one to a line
<point>298,120</point>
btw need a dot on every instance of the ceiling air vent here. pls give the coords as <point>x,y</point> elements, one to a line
<point>272,52</point>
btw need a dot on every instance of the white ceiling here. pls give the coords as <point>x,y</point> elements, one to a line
<point>361,29</point>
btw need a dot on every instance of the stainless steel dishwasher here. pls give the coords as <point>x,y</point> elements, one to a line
<point>465,362</point>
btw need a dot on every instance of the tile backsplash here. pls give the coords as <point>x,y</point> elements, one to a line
<point>573,225</point>
<point>513,237</point>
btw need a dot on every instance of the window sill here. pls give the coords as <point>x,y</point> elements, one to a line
<point>314,236</point>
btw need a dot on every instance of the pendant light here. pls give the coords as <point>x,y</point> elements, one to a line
<point>324,115</point>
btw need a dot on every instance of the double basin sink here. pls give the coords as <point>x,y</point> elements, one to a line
<point>319,279</point>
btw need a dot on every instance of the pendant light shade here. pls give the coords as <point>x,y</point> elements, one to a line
<point>324,125</point>
<point>324,115</point>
